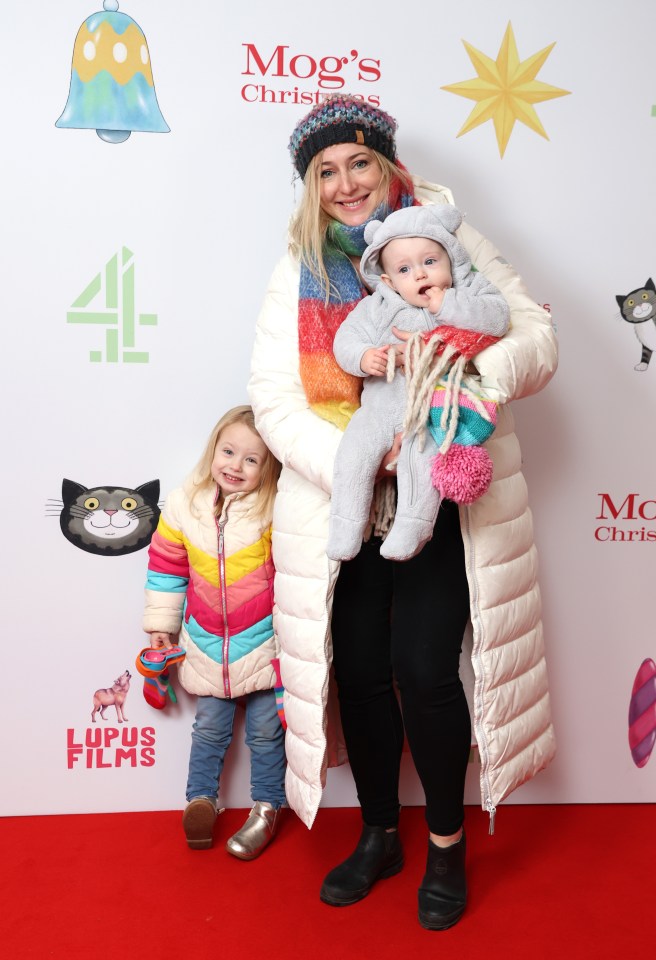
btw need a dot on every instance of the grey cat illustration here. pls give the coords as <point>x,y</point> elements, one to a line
<point>639,309</point>
<point>108,520</point>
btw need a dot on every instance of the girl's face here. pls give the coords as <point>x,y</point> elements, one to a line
<point>349,183</point>
<point>239,457</point>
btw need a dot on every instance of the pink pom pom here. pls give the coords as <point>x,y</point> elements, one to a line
<point>462,474</point>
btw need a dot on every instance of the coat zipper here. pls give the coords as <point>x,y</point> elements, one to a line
<point>224,603</point>
<point>412,478</point>
<point>487,803</point>
<point>325,711</point>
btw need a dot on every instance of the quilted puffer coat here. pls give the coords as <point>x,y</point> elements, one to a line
<point>510,708</point>
<point>211,578</point>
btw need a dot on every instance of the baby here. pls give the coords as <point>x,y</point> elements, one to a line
<point>423,279</point>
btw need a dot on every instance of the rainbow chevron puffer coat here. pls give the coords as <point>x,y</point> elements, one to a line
<point>211,578</point>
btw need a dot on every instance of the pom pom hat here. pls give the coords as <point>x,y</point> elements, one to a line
<point>341,118</point>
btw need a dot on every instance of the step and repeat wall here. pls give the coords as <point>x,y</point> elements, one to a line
<point>147,191</point>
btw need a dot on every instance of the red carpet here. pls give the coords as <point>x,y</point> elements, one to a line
<point>562,882</point>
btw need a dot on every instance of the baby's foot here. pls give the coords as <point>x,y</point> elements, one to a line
<point>344,538</point>
<point>406,538</point>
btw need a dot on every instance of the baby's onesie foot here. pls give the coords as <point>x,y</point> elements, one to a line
<point>344,538</point>
<point>406,538</point>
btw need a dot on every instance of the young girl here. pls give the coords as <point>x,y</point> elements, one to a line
<point>210,579</point>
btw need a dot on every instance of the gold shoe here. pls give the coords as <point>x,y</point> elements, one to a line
<point>198,822</point>
<point>256,834</point>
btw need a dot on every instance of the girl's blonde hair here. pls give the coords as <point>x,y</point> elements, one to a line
<point>310,224</point>
<point>266,489</point>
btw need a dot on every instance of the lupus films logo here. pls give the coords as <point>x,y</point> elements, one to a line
<point>284,68</point>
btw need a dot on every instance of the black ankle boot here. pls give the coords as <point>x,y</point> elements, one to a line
<point>377,856</point>
<point>443,891</point>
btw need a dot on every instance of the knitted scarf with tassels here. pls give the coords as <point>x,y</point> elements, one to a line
<point>333,394</point>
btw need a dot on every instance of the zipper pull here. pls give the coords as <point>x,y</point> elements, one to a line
<point>492,810</point>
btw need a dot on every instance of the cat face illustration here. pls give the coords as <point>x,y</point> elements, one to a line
<point>638,308</point>
<point>640,304</point>
<point>108,520</point>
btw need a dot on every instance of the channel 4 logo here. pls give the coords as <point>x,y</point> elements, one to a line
<point>109,301</point>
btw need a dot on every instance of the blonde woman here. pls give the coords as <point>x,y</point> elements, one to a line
<point>384,624</point>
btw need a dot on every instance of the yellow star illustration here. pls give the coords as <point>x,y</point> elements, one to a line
<point>505,89</point>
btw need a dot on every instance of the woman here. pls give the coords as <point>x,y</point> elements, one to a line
<point>392,621</point>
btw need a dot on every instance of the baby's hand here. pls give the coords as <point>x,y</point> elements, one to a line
<point>435,298</point>
<point>159,640</point>
<point>374,361</point>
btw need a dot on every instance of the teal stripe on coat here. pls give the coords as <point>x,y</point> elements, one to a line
<point>166,582</point>
<point>241,644</point>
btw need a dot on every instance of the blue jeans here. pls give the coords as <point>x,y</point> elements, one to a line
<point>212,734</point>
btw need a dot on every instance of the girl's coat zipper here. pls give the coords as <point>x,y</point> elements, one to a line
<point>220,524</point>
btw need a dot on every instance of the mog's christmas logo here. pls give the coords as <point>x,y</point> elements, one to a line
<point>281,74</point>
<point>626,518</point>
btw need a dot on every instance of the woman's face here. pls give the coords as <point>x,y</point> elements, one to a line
<point>350,179</point>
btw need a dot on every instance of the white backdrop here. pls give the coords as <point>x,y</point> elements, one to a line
<point>203,211</point>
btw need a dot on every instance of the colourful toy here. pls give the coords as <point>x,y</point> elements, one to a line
<point>279,691</point>
<point>642,713</point>
<point>154,665</point>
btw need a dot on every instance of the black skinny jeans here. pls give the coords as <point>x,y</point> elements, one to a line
<point>405,621</point>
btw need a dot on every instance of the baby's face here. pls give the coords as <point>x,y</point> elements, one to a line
<point>413,265</point>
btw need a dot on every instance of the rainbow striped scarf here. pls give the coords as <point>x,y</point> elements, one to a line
<point>333,394</point>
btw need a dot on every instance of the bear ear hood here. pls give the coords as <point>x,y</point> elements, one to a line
<point>370,230</point>
<point>435,221</point>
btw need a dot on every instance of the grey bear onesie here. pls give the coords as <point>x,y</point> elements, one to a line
<point>471,303</point>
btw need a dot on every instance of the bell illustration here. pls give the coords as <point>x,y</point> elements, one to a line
<point>112,89</point>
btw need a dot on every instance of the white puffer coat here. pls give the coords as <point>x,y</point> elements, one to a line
<point>511,716</point>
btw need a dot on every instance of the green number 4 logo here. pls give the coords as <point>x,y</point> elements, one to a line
<point>111,296</point>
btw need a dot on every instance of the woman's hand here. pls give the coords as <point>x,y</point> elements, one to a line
<point>159,640</point>
<point>390,457</point>
<point>404,336</point>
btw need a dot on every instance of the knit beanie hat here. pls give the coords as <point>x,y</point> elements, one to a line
<point>341,118</point>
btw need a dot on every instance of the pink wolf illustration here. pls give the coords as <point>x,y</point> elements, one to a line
<point>115,694</point>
